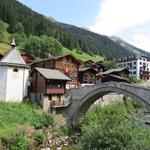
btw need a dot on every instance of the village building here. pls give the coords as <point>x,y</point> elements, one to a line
<point>48,88</point>
<point>27,58</point>
<point>99,66</point>
<point>117,75</point>
<point>14,74</point>
<point>111,77</point>
<point>87,76</point>
<point>139,66</point>
<point>87,63</point>
<point>66,64</point>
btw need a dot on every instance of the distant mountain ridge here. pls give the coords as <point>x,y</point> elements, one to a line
<point>131,48</point>
<point>70,36</point>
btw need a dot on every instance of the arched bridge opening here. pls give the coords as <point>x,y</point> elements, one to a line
<point>83,98</point>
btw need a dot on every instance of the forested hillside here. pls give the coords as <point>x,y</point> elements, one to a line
<point>130,47</point>
<point>13,12</point>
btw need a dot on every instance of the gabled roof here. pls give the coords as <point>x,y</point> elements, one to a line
<point>114,70</point>
<point>52,74</point>
<point>111,77</point>
<point>86,69</point>
<point>13,58</point>
<point>58,57</point>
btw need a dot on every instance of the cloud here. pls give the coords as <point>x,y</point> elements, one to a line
<point>115,16</point>
<point>142,41</point>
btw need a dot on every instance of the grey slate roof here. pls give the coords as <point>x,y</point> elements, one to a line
<point>13,56</point>
<point>113,70</point>
<point>52,74</point>
<point>86,68</point>
<point>57,57</point>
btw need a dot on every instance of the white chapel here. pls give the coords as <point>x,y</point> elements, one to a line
<point>14,74</point>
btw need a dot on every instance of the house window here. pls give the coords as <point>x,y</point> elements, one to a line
<point>15,70</point>
<point>134,72</point>
<point>92,76</point>
<point>134,67</point>
<point>135,63</point>
<point>50,97</point>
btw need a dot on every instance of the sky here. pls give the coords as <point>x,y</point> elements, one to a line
<point>127,19</point>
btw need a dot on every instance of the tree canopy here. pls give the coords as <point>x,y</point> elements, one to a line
<point>43,46</point>
<point>3,32</point>
<point>12,12</point>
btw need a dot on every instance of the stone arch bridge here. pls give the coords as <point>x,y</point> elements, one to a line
<point>84,97</point>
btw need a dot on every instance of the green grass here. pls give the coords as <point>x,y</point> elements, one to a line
<point>16,114</point>
<point>78,54</point>
<point>83,56</point>
<point>4,48</point>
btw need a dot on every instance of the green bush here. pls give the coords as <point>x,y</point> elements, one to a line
<point>18,142</point>
<point>70,129</point>
<point>114,128</point>
<point>39,137</point>
<point>132,79</point>
<point>14,114</point>
<point>43,120</point>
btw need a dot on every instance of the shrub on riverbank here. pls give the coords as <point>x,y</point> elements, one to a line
<point>114,127</point>
<point>18,121</point>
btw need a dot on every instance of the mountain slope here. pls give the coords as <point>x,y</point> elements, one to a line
<point>12,11</point>
<point>129,47</point>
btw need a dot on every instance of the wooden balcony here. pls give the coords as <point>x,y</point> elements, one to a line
<point>55,90</point>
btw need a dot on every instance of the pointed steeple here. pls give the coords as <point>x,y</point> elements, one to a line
<point>13,56</point>
<point>13,44</point>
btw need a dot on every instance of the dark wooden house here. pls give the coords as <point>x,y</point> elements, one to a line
<point>144,75</point>
<point>67,64</point>
<point>87,75</point>
<point>99,66</point>
<point>50,85</point>
<point>118,75</point>
<point>111,77</point>
<point>87,63</point>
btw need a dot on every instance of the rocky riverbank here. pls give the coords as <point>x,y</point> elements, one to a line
<point>56,141</point>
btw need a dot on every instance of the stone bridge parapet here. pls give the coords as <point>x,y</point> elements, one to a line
<point>84,97</point>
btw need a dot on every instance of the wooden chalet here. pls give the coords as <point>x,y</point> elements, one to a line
<point>67,64</point>
<point>50,85</point>
<point>144,74</point>
<point>111,77</point>
<point>96,65</point>
<point>122,72</point>
<point>99,66</point>
<point>87,75</point>
<point>118,75</point>
<point>87,63</point>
